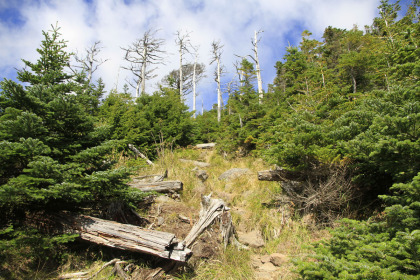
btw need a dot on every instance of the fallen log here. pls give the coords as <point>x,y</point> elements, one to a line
<point>279,174</point>
<point>161,187</point>
<point>205,146</point>
<point>195,162</point>
<point>134,149</point>
<point>125,236</point>
<point>150,178</point>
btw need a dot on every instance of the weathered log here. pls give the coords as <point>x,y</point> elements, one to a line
<point>195,162</point>
<point>125,236</point>
<point>279,174</point>
<point>211,209</point>
<point>134,149</point>
<point>205,146</point>
<point>150,178</point>
<point>78,275</point>
<point>161,187</point>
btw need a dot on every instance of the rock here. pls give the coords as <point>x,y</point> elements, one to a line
<point>265,258</point>
<point>267,267</point>
<point>234,173</point>
<point>201,174</point>
<point>202,250</point>
<point>256,261</point>
<point>278,259</point>
<point>160,221</point>
<point>263,275</point>
<point>252,239</point>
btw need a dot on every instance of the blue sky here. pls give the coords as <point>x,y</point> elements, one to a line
<point>117,23</point>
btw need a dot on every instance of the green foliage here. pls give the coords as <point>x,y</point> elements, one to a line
<point>161,118</point>
<point>387,247</point>
<point>53,156</point>
<point>25,250</point>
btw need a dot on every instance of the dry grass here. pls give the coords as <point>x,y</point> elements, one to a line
<point>250,202</point>
<point>252,207</point>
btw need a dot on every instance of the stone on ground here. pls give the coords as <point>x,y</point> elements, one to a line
<point>251,239</point>
<point>234,173</point>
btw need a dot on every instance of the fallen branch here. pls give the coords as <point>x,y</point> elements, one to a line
<point>114,261</point>
<point>161,187</point>
<point>134,149</point>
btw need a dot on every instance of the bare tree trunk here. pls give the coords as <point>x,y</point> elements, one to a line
<point>143,74</point>
<point>257,65</point>
<point>353,78</point>
<point>182,40</point>
<point>217,53</point>
<point>181,91</point>
<point>194,84</point>
<point>219,94</point>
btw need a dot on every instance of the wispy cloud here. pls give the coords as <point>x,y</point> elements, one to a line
<point>117,23</point>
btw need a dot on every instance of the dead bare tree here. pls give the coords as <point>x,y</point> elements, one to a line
<point>217,53</point>
<point>183,42</point>
<point>195,79</point>
<point>257,63</point>
<point>140,54</point>
<point>89,63</point>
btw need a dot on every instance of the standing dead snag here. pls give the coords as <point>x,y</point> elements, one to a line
<point>183,41</point>
<point>217,54</point>
<point>90,63</point>
<point>142,53</point>
<point>212,209</point>
<point>257,64</point>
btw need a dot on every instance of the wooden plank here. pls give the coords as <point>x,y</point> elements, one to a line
<point>161,187</point>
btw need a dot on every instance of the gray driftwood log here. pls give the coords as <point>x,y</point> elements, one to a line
<point>125,236</point>
<point>279,174</point>
<point>137,152</point>
<point>150,178</point>
<point>161,187</point>
<point>205,146</point>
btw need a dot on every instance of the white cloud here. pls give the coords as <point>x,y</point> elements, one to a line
<point>117,23</point>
